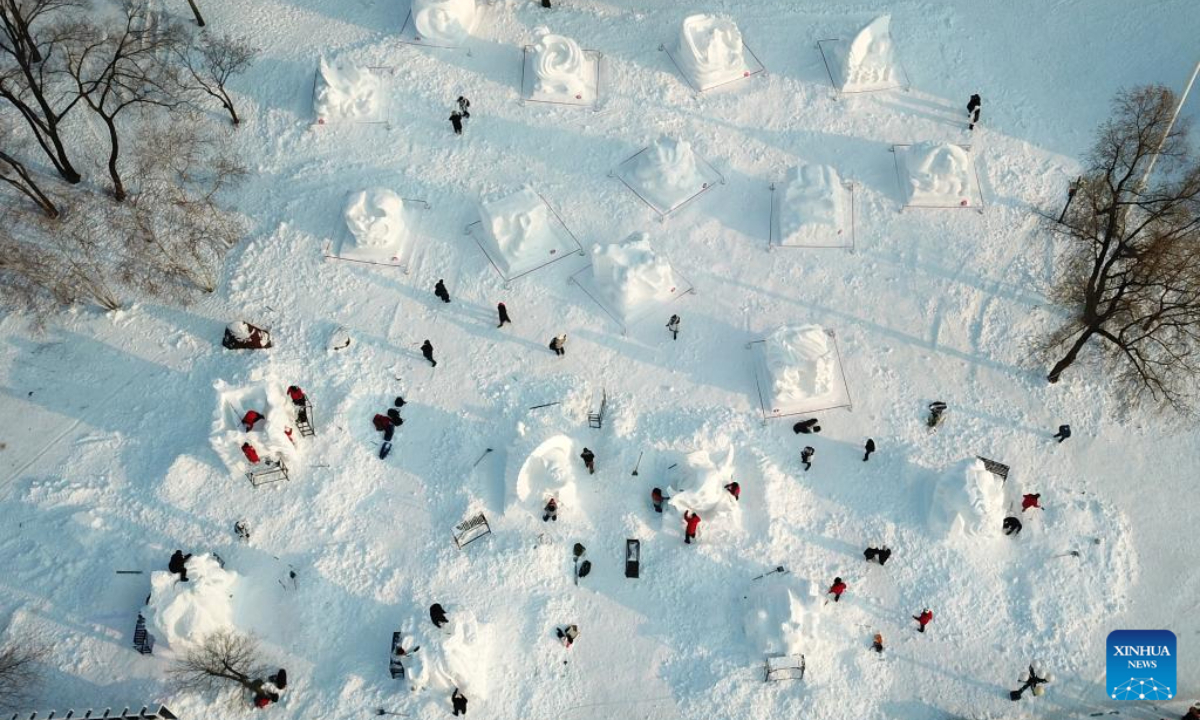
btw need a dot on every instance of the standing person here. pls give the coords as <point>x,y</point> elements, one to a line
<point>464,107</point>
<point>589,460</point>
<point>836,589</point>
<point>440,290</point>
<point>673,326</point>
<point>806,456</point>
<point>877,644</point>
<point>460,702</point>
<point>1030,500</point>
<point>693,524</point>
<point>456,119</point>
<point>437,614</point>
<point>567,635</point>
<point>735,490</point>
<point>427,351</point>
<point>923,619</point>
<point>300,401</point>
<point>502,311</point>
<point>559,344</point>
<point>870,448</point>
<point>974,105</point>
<point>551,511</point>
<point>656,498</point>
<point>242,529</point>
<point>1064,432</point>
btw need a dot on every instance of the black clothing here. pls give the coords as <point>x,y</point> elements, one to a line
<point>460,702</point>
<point>394,415</point>
<point>869,449</point>
<point>503,312</point>
<point>456,121</point>
<point>1012,526</point>
<point>589,459</point>
<point>879,555</point>
<point>399,402</point>
<point>441,291</point>
<point>673,326</point>
<point>974,105</point>
<point>1064,432</point>
<point>806,457</point>
<point>177,564</point>
<point>464,106</point>
<point>807,426</point>
<point>438,615</point>
<point>427,351</point>
<point>279,679</point>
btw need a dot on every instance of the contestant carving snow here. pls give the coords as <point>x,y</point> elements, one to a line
<point>444,21</point>
<point>782,615</point>
<point>802,364</point>
<point>375,218</point>
<point>811,200</point>
<point>938,174</point>
<point>518,229</point>
<point>183,614</point>
<point>666,173</point>
<point>345,92</point>
<point>550,471</point>
<point>870,60</point>
<point>630,274</point>
<point>560,66</point>
<point>710,50</point>
<point>967,500</point>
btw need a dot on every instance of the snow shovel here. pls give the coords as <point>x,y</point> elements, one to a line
<point>637,465</point>
<point>778,569</point>
<point>481,457</point>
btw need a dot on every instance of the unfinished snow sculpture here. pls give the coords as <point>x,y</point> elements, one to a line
<point>518,230</point>
<point>550,471</point>
<point>376,220</point>
<point>802,365</point>
<point>456,657</point>
<point>782,615</point>
<point>870,59</point>
<point>666,173</point>
<point>967,500</point>
<point>811,205</point>
<point>938,174</point>
<point>629,274</point>
<point>710,50</point>
<point>183,614</point>
<point>444,21</point>
<point>345,92</point>
<point>700,485</point>
<point>560,66</point>
<point>271,437</point>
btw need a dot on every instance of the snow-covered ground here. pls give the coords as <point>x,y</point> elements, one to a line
<point>107,465</point>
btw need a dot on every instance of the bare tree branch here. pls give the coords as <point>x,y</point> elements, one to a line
<point>212,62</point>
<point>20,670</point>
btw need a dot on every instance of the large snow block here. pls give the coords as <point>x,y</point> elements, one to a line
<point>798,369</point>
<point>273,437</point>
<point>345,93</point>
<point>938,175</point>
<point>698,485</point>
<point>182,613</point>
<point>668,174</point>
<point>812,207</point>
<point>520,233</point>
<point>782,615</point>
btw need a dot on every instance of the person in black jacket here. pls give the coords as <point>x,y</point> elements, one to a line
<point>870,448</point>
<point>974,105</point>
<point>178,564</point>
<point>1064,432</point>
<point>464,107</point>
<point>456,119</point>
<point>460,702</point>
<point>440,290</point>
<point>502,310</point>
<point>437,614</point>
<point>589,460</point>
<point>427,351</point>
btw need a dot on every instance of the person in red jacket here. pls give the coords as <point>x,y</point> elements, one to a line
<point>923,619</point>
<point>250,453</point>
<point>735,490</point>
<point>693,524</point>
<point>1030,501</point>
<point>250,418</point>
<point>837,589</point>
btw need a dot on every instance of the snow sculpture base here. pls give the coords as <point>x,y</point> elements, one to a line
<point>183,614</point>
<point>398,251</point>
<point>586,95</point>
<point>812,208</point>
<point>782,615</point>
<point>521,233</point>
<point>451,31</point>
<point>797,372</point>
<point>631,282</point>
<point>668,175</point>
<point>345,94</point>
<point>939,176</point>
<point>867,63</point>
<point>710,53</point>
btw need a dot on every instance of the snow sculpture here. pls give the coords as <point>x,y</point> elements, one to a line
<point>802,364</point>
<point>345,92</point>
<point>272,437</point>
<point>376,220</point>
<point>183,614</point>
<point>870,60</point>
<point>700,487</point>
<point>710,50</point>
<point>666,173</point>
<point>811,202</point>
<point>549,472</point>
<point>938,174</point>
<point>560,66</point>
<point>454,658</point>
<point>968,500</point>
<point>630,274</point>
<point>782,615</point>
<point>447,22</point>
<point>518,230</point>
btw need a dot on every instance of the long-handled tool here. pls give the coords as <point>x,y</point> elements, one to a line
<point>481,457</point>
<point>638,465</point>
<point>778,569</point>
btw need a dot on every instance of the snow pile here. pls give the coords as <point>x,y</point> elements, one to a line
<point>549,471</point>
<point>870,60</point>
<point>811,206</point>
<point>560,67</point>
<point>630,274</point>
<point>448,22</point>
<point>345,92</point>
<point>667,173</point>
<point>710,50</point>
<point>185,613</point>
<point>802,364</point>
<point>375,218</point>
<point>938,174</point>
<point>700,485</point>
<point>454,657</point>
<point>782,615</point>
<point>518,231</point>
<point>273,437</point>
<point>967,500</point>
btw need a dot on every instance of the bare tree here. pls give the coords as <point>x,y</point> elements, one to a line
<point>125,67</point>
<point>15,175</point>
<point>224,658</point>
<point>32,33</point>
<point>196,12</point>
<point>1131,276</point>
<point>20,671</point>
<point>213,61</point>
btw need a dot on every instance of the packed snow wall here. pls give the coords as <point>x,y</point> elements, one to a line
<point>457,656</point>
<point>700,484</point>
<point>630,275</point>
<point>710,51</point>
<point>446,22</point>
<point>550,470</point>
<point>869,61</point>
<point>811,206</point>
<point>802,365</point>
<point>273,437</point>
<point>782,615</point>
<point>345,92</point>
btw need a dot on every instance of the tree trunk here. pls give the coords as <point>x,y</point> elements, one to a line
<point>28,186</point>
<point>1070,357</point>
<point>114,152</point>
<point>196,12</point>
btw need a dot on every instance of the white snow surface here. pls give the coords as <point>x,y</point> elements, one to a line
<point>709,50</point>
<point>182,614</point>
<point>347,92</point>
<point>631,275</point>
<point>802,364</point>
<point>106,463</point>
<point>939,174</point>
<point>968,500</point>
<point>561,68</point>
<point>812,207</point>
<point>447,22</point>
<point>869,61</point>
<point>782,615</point>
<point>667,173</point>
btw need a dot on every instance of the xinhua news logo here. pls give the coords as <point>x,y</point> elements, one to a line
<point>1141,665</point>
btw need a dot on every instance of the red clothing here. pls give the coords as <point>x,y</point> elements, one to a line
<point>262,701</point>
<point>251,418</point>
<point>382,422</point>
<point>693,522</point>
<point>925,617</point>
<point>735,490</point>
<point>296,394</point>
<point>838,588</point>
<point>1029,501</point>
<point>656,495</point>
<point>250,453</point>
